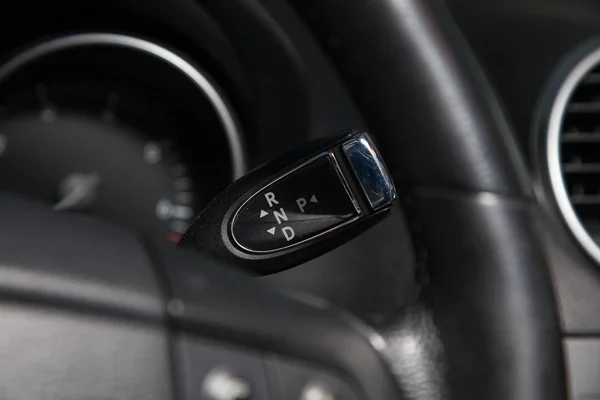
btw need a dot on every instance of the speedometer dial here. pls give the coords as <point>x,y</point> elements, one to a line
<point>118,128</point>
<point>98,149</point>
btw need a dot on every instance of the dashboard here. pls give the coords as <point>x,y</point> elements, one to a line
<point>541,58</point>
<point>86,126</point>
<point>238,84</point>
<point>155,151</point>
<point>529,49</point>
<point>177,99</point>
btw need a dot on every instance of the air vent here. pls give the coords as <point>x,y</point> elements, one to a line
<point>573,145</point>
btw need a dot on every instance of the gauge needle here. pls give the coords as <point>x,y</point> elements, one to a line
<point>77,190</point>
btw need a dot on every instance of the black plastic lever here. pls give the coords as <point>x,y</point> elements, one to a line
<point>297,207</point>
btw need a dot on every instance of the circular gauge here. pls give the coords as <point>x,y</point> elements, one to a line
<point>105,157</point>
<point>145,149</point>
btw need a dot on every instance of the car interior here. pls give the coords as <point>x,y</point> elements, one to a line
<point>300,199</point>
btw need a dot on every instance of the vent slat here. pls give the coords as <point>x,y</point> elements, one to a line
<point>591,79</point>
<point>580,200</point>
<point>581,107</point>
<point>579,137</point>
<point>581,168</point>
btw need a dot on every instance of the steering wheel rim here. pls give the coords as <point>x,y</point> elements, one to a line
<point>488,302</point>
<point>486,323</point>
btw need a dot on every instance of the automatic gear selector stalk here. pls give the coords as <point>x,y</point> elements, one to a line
<point>297,207</point>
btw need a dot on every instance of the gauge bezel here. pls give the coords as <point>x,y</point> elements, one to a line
<point>199,78</point>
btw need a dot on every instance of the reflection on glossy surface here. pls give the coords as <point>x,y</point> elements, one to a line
<point>370,170</point>
<point>301,205</point>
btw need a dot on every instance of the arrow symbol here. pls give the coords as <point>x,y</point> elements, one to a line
<point>313,199</point>
<point>263,213</point>
<point>271,231</point>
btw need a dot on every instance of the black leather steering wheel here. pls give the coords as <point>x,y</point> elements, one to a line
<point>485,326</point>
<point>466,194</point>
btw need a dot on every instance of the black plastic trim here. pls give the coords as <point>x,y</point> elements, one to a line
<point>227,306</point>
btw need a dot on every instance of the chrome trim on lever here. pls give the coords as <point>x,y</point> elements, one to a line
<point>371,172</point>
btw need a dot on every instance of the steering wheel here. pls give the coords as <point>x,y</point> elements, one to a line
<point>90,312</point>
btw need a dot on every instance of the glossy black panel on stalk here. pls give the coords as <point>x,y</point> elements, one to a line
<point>297,207</point>
<point>303,204</point>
